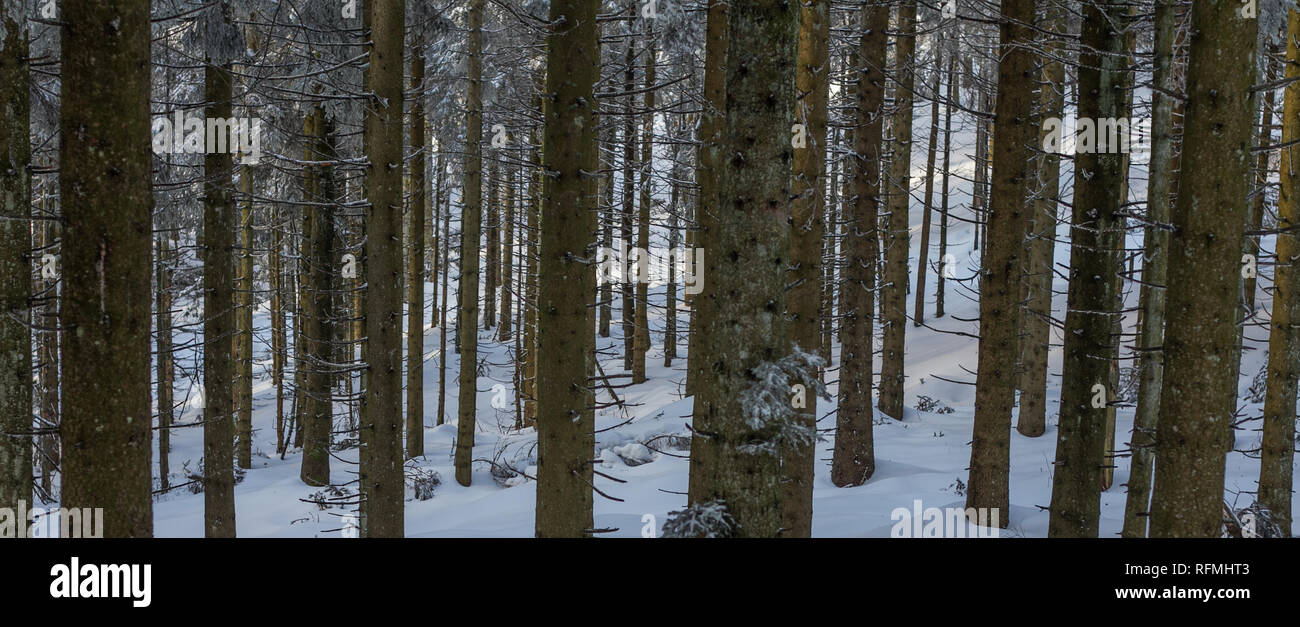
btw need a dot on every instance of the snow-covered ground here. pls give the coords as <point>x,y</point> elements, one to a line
<point>924,456</point>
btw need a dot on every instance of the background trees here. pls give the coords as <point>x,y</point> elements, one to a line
<point>553,163</point>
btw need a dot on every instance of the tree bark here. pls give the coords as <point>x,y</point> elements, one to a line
<point>1041,244</point>
<point>1014,135</point>
<point>897,239</point>
<point>709,160</point>
<point>854,459</point>
<point>629,198</point>
<point>317,287</point>
<point>417,211</point>
<point>641,319</point>
<point>1091,313</point>
<point>932,147</point>
<point>753,231</point>
<point>107,204</point>
<point>15,265</point>
<point>946,268</point>
<point>1155,269</point>
<point>565,427</point>
<point>471,223</point>
<point>1196,400</point>
<point>219,315</point>
<point>243,345</point>
<point>381,480</point>
<point>804,300</point>
<point>1277,448</point>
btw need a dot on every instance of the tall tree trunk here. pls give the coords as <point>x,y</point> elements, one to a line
<point>107,203</point>
<point>629,198</point>
<point>219,312</point>
<point>606,293</point>
<point>529,305</point>
<point>753,231</point>
<point>1196,401</point>
<point>1255,220</point>
<point>932,147</point>
<point>641,319</point>
<point>1014,136</point>
<point>812,84</point>
<point>565,429</point>
<point>504,330</point>
<point>16,268</point>
<point>165,365</point>
<point>492,261</point>
<point>298,292</point>
<point>854,458</point>
<point>709,160</point>
<point>47,356</point>
<point>947,267</point>
<point>417,211</point>
<point>278,337</point>
<point>1277,449</point>
<point>830,246</point>
<point>981,163</point>
<point>897,239</point>
<point>317,288</point>
<point>1091,313</point>
<point>443,215</point>
<point>244,297</point>
<point>471,225</point>
<point>671,255</point>
<point>381,481</point>
<point>1036,317</point>
<point>1155,267</point>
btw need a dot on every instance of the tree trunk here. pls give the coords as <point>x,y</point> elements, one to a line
<point>492,260</point>
<point>1277,448</point>
<point>1260,205</point>
<point>854,459</point>
<point>606,293</point>
<point>244,297</point>
<point>104,178</point>
<point>471,223</point>
<point>47,357</point>
<point>1014,135</point>
<point>1155,269</point>
<point>1196,400</point>
<point>381,481</point>
<point>219,315</point>
<point>947,267</point>
<point>504,330</point>
<point>165,365</point>
<point>418,211</point>
<point>1036,317</point>
<point>1096,234</point>
<point>896,238</point>
<point>278,338</point>
<point>629,158</point>
<point>754,232</point>
<point>641,319</point>
<point>443,216</point>
<point>16,268</point>
<point>923,255</point>
<point>529,305</point>
<point>830,248</point>
<point>812,83</point>
<point>709,160</point>
<point>565,429</point>
<point>317,288</point>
